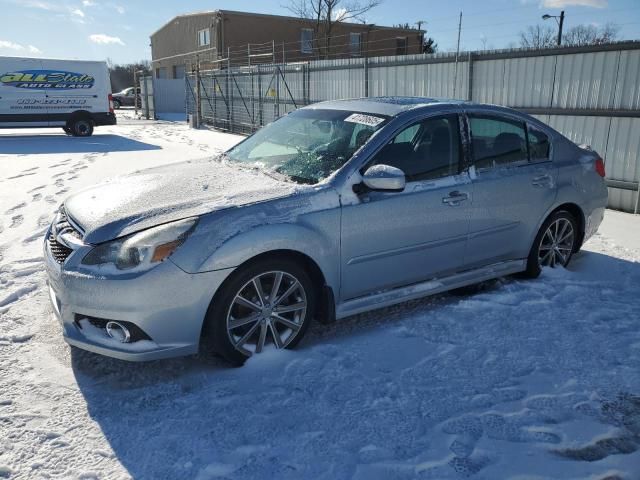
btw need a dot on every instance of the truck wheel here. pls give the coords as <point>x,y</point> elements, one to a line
<point>67,130</point>
<point>82,127</point>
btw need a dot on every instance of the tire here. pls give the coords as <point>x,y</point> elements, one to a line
<point>116,104</point>
<point>67,130</point>
<point>261,320</point>
<point>554,232</point>
<point>82,127</point>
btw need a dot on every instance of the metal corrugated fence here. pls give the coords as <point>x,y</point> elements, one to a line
<point>590,94</point>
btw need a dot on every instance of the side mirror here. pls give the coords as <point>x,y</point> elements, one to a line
<point>384,178</point>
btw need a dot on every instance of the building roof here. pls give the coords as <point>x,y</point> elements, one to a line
<point>286,17</point>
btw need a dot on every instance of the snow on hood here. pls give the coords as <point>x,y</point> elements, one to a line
<point>158,195</point>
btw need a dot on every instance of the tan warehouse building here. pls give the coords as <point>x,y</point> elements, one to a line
<point>251,38</point>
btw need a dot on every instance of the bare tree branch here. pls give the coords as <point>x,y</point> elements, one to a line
<point>544,37</point>
<point>538,37</point>
<point>591,35</point>
<point>326,14</point>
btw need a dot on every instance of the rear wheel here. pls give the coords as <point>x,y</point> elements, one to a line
<point>265,305</point>
<point>82,127</point>
<point>554,245</point>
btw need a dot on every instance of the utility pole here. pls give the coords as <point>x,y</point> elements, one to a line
<point>455,75</point>
<point>560,20</point>
<point>560,27</point>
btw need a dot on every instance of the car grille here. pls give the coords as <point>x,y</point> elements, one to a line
<point>59,251</point>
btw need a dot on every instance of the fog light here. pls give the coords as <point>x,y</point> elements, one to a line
<point>118,332</point>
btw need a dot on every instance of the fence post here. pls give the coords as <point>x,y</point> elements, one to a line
<point>214,82</point>
<point>137,91</point>
<point>470,77</point>
<point>228,83</point>
<point>366,76</point>
<point>198,94</point>
<point>260,107</point>
<point>277,96</point>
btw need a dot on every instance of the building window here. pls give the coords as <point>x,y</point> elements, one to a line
<point>204,37</point>
<point>306,40</point>
<point>178,71</point>
<point>354,44</point>
<point>401,45</point>
<point>161,72</point>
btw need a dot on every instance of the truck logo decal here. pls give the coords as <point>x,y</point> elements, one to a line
<point>47,79</point>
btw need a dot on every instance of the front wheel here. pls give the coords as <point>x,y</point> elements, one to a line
<point>265,305</point>
<point>554,245</point>
<point>116,104</point>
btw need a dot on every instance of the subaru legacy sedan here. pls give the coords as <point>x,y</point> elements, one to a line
<point>335,209</point>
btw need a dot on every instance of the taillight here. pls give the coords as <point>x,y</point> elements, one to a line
<point>110,97</point>
<point>600,167</point>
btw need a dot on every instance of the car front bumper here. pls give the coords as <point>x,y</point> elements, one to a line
<point>166,303</point>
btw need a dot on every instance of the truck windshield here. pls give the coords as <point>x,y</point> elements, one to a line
<point>307,145</point>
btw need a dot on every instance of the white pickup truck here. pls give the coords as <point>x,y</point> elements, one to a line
<point>72,94</point>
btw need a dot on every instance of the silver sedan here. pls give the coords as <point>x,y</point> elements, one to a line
<point>335,209</point>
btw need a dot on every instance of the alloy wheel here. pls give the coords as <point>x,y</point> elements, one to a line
<point>556,244</point>
<point>268,309</point>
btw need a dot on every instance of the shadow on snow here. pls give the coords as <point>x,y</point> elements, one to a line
<point>34,144</point>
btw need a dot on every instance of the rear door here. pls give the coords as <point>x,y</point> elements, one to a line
<point>392,239</point>
<point>514,184</point>
<point>22,95</point>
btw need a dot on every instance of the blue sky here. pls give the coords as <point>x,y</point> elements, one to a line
<point>119,29</point>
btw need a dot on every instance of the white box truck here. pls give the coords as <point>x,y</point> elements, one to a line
<point>72,94</point>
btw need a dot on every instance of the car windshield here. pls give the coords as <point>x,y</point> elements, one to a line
<point>125,91</point>
<point>307,145</point>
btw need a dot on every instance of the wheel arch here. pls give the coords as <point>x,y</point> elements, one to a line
<point>575,210</point>
<point>80,115</point>
<point>578,214</point>
<point>324,292</point>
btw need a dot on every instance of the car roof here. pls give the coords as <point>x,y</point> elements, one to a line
<point>389,106</point>
<point>393,106</point>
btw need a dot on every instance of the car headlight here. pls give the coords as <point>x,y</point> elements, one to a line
<point>141,251</point>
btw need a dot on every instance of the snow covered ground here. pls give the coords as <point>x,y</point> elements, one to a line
<point>523,380</point>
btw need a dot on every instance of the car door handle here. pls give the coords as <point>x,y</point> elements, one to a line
<point>455,198</point>
<point>542,181</point>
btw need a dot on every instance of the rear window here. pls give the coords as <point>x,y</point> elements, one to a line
<point>538,145</point>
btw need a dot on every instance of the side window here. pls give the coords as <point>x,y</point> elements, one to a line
<point>426,150</point>
<point>538,145</point>
<point>407,135</point>
<point>497,141</point>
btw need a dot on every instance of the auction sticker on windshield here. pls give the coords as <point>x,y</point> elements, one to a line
<point>362,119</point>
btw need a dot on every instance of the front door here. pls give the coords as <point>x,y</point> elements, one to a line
<point>514,184</point>
<point>392,239</point>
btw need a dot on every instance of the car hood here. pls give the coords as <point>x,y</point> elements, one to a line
<point>159,195</point>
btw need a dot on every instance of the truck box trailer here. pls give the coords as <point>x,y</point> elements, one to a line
<point>72,94</point>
